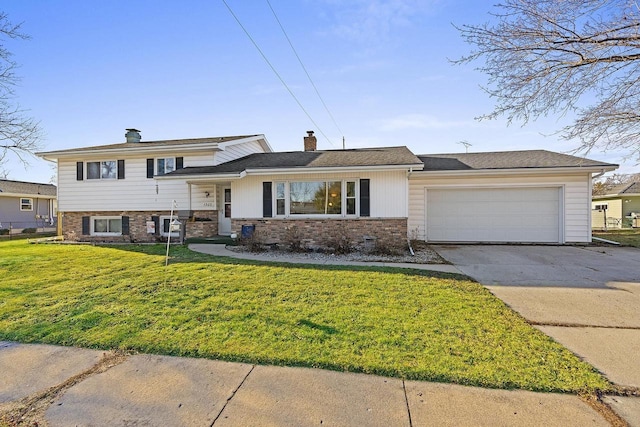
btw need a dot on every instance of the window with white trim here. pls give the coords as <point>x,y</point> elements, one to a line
<point>107,169</point>
<point>316,198</point>
<point>165,165</point>
<point>26,204</point>
<point>106,225</point>
<point>165,226</point>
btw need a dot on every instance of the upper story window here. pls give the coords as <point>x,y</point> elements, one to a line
<point>26,204</point>
<point>165,165</point>
<point>102,170</point>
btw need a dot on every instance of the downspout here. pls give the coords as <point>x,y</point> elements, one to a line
<point>590,225</point>
<point>407,207</point>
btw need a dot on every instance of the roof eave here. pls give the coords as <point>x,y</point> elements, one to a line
<point>29,195</point>
<point>515,171</point>
<point>54,155</point>
<point>203,176</point>
<point>615,196</point>
<point>329,169</point>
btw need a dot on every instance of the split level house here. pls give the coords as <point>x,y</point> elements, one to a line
<point>26,205</point>
<point>127,191</point>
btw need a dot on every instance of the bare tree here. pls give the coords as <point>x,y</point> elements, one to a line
<point>606,183</point>
<point>19,134</point>
<point>547,57</point>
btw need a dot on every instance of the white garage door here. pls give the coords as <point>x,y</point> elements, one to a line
<point>493,215</point>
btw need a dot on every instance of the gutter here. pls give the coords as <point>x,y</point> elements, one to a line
<point>518,171</point>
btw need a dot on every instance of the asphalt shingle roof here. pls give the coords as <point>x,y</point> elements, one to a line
<point>384,156</point>
<point>633,188</point>
<point>19,187</point>
<point>161,143</point>
<point>505,160</point>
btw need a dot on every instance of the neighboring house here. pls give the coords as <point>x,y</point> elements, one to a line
<point>619,208</point>
<point>125,192</point>
<point>26,205</point>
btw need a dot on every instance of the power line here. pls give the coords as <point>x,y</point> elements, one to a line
<point>305,69</point>
<point>276,72</point>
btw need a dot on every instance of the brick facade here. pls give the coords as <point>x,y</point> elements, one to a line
<point>389,232</point>
<point>202,224</point>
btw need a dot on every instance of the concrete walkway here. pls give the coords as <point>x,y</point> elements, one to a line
<point>65,386</point>
<point>221,250</point>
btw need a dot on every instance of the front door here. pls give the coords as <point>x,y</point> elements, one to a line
<point>224,213</point>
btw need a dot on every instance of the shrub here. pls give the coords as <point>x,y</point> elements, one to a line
<point>292,239</point>
<point>4,231</point>
<point>255,242</point>
<point>28,230</point>
<point>338,240</point>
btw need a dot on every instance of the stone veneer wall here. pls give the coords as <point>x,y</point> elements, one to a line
<point>72,226</point>
<point>389,232</point>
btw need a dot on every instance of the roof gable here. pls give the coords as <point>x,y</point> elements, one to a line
<point>27,188</point>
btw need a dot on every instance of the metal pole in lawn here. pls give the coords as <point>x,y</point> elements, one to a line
<point>173,206</point>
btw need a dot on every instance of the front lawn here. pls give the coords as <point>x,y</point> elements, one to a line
<point>627,237</point>
<point>392,322</point>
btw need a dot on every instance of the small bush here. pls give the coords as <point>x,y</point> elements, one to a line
<point>28,230</point>
<point>4,231</point>
<point>292,239</point>
<point>338,240</point>
<point>255,242</point>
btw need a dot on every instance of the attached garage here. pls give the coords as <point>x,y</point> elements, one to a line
<point>532,196</point>
<point>528,214</point>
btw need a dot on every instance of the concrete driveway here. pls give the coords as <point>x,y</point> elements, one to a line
<point>586,298</point>
<point>566,266</point>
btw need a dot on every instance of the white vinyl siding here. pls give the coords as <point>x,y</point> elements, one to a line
<point>575,218</point>
<point>136,192</point>
<point>388,191</point>
<point>236,151</point>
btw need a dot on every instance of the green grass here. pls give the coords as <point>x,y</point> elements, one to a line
<point>393,322</point>
<point>627,237</point>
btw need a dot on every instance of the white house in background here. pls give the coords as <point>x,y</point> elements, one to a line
<point>125,191</point>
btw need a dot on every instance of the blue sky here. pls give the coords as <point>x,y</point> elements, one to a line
<point>187,70</point>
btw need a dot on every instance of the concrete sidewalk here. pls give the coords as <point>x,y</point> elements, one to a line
<point>221,250</point>
<point>62,387</point>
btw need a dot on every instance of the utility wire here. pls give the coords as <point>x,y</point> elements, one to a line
<point>305,69</point>
<point>276,72</point>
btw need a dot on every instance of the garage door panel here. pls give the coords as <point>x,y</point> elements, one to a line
<point>493,215</point>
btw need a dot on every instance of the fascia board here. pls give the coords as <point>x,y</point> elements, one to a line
<point>304,170</point>
<point>28,196</point>
<point>203,177</point>
<point>53,155</point>
<point>519,171</point>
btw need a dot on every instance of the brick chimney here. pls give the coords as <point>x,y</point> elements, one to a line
<point>133,135</point>
<point>310,141</point>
